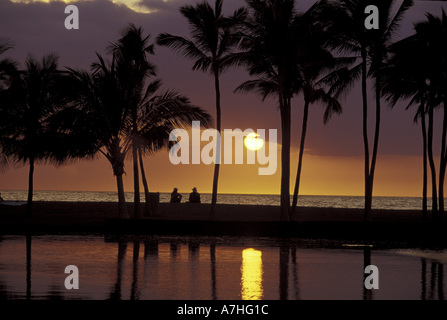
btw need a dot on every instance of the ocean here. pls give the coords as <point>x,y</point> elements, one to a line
<point>356,202</point>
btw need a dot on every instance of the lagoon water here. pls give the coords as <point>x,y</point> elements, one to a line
<point>209,268</point>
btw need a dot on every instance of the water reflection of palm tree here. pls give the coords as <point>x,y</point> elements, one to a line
<point>28,265</point>
<point>284,255</point>
<point>150,256</point>
<point>134,292</point>
<point>193,257</point>
<point>287,264</point>
<point>295,271</point>
<point>115,294</point>
<point>367,293</point>
<point>213,269</point>
<point>436,285</point>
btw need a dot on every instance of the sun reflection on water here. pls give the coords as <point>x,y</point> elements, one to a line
<point>252,275</point>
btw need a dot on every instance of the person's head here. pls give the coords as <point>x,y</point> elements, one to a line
<point>194,189</point>
<point>175,189</point>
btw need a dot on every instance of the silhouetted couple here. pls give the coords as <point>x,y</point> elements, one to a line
<point>175,196</point>
<point>194,196</point>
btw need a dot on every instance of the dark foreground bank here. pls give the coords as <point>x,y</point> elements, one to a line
<point>234,220</point>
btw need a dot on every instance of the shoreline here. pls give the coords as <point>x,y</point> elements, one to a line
<point>88,212</point>
<point>403,226</point>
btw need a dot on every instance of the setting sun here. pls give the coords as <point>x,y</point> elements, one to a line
<point>252,141</point>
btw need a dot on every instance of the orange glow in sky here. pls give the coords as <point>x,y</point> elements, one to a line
<point>396,176</point>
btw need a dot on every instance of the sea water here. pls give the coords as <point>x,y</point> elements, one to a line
<point>404,203</point>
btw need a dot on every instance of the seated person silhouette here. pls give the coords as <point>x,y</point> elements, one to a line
<point>194,196</point>
<point>175,196</point>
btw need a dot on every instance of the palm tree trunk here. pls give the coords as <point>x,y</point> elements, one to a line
<point>285,159</point>
<point>425,173</point>
<point>219,143</point>
<point>376,144</point>
<point>368,194</point>
<point>442,165</point>
<point>432,165</point>
<point>300,157</point>
<point>136,184</point>
<point>29,205</point>
<point>122,209</point>
<point>145,185</point>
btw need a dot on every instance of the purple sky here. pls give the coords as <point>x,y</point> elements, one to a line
<point>38,28</point>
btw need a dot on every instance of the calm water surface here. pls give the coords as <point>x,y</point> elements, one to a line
<point>213,268</point>
<point>356,202</point>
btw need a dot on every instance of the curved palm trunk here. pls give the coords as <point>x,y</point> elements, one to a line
<point>425,173</point>
<point>300,158</point>
<point>145,185</point>
<point>375,147</point>
<point>29,205</point>
<point>368,194</point>
<point>442,165</point>
<point>285,159</point>
<point>219,143</point>
<point>432,165</point>
<point>122,209</point>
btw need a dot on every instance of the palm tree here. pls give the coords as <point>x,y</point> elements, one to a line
<point>31,115</point>
<point>416,71</point>
<point>211,49</point>
<point>271,41</point>
<point>403,79</point>
<point>158,114</point>
<point>371,46</point>
<point>106,122</point>
<point>432,34</point>
<point>317,67</point>
<point>105,117</point>
<point>130,52</point>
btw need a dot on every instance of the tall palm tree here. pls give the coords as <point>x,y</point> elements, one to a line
<point>131,52</point>
<point>211,48</point>
<point>416,71</point>
<point>30,112</point>
<point>403,79</point>
<point>158,114</point>
<point>271,41</point>
<point>317,67</point>
<point>432,34</point>
<point>104,118</point>
<point>106,121</point>
<point>371,47</point>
